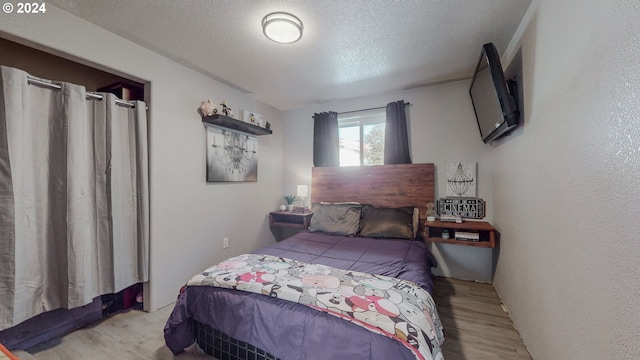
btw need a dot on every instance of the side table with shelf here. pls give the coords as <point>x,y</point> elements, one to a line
<point>487,233</point>
<point>292,221</point>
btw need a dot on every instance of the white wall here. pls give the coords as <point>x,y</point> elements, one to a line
<point>189,217</point>
<point>566,186</point>
<point>442,129</point>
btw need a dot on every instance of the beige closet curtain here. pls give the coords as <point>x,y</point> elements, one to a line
<point>74,215</point>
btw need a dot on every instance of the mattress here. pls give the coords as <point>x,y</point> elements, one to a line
<point>292,331</point>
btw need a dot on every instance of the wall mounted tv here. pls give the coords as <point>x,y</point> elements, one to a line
<point>493,98</point>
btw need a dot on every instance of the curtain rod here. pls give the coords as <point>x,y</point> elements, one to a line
<point>89,94</point>
<point>373,108</point>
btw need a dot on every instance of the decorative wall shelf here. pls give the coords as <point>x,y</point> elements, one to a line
<point>234,124</point>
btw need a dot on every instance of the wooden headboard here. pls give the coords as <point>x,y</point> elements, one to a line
<point>381,186</point>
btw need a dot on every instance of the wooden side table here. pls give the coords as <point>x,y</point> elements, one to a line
<point>487,233</point>
<point>291,222</point>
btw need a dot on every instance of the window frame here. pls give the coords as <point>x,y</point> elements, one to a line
<point>361,119</point>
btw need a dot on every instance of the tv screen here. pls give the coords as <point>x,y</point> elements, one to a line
<point>493,104</point>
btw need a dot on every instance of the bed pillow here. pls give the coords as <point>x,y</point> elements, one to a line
<point>336,219</point>
<point>396,223</point>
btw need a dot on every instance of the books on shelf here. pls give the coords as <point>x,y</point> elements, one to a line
<point>467,236</point>
<point>450,218</point>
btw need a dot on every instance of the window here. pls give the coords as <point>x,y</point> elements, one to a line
<point>362,137</point>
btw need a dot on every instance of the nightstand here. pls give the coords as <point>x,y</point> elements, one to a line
<point>288,223</point>
<point>486,233</point>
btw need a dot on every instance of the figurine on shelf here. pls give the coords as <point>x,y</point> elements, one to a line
<point>207,108</point>
<point>226,110</point>
<point>431,212</point>
<point>267,125</point>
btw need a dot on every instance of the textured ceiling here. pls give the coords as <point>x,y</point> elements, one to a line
<point>348,48</point>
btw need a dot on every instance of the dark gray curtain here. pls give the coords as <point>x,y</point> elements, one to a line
<point>396,138</point>
<point>326,141</point>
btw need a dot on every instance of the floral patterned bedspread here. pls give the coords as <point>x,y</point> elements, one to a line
<point>392,307</point>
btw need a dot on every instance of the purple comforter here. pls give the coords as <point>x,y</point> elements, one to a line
<point>293,331</point>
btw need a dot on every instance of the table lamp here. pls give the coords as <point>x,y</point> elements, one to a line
<point>302,191</point>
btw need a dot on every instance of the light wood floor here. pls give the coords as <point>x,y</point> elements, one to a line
<point>475,325</point>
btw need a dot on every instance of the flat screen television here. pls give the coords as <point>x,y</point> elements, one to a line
<point>493,97</point>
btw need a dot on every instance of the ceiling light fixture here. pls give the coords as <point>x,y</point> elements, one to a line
<point>282,27</point>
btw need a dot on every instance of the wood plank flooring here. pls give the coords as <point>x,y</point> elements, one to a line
<point>475,325</point>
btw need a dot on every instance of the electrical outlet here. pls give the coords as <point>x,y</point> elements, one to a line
<point>225,243</point>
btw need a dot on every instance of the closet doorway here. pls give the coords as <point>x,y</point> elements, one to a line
<point>48,66</point>
<point>45,65</point>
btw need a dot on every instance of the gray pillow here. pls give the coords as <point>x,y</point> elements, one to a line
<point>395,223</point>
<point>336,219</point>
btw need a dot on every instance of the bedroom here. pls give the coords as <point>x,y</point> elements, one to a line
<point>565,225</point>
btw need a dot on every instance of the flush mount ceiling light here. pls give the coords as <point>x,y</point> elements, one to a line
<point>282,27</point>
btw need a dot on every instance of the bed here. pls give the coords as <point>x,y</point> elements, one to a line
<point>347,288</point>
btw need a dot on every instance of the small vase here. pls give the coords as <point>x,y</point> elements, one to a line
<point>290,207</point>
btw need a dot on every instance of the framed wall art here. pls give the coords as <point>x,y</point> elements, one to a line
<point>252,118</point>
<point>231,156</point>
<point>461,179</point>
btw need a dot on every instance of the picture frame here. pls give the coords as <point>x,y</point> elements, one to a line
<point>231,156</point>
<point>461,179</point>
<point>252,118</point>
